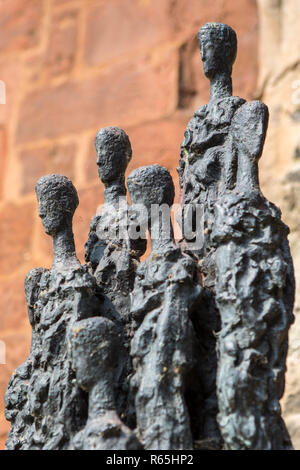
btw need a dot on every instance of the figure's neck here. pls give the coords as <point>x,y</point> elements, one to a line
<point>114,190</point>
<point>101,398</point>
<point>64,251</point>
<point>220,86</point>
<point>161,234</point>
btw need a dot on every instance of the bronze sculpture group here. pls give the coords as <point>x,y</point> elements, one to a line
<point>186,349</point>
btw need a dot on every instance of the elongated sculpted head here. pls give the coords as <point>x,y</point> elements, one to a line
<point>218,46</point>
<point>113,153</point>
<point>58,200</point>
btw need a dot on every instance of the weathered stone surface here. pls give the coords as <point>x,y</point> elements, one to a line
<point>20,24</point>
<point>40,161</point>
<point>124,95</point>
<point>246,26</point>
<point>157,141</point>
<point>62,48</point>
<point>133,27</point>
<point>3,152</point>
<point>12,305</point>
<point>63,3</point>
<point>186,16</point>
<point>16,227</point>
<point>12,74</point>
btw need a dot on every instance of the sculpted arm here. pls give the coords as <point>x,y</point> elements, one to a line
<point>248,131</point>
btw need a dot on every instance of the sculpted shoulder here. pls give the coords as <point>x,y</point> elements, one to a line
<point>200,112</point>
<point>255,108</point>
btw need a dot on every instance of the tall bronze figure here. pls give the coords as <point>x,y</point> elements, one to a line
<point>244,254</point>
<point>43,401</point>
<point>163,301</point>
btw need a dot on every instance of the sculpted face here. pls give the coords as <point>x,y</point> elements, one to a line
<point>218,46</point>
<point>113,153</point>
<point>212,57</point>
<point>53,220</point>
<point>58,200</point>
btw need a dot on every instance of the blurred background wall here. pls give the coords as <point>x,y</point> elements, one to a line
<point>74,66</point>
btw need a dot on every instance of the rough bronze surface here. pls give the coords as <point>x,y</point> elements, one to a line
<point>95,350</point>
<point>48,400</point>
<point>187,349</point>
<point>245,258</point>
<point>113,256</point>
<point>51,407</point>
<point>163,299</point>
<point>255,295</point>
<point>110,252</point>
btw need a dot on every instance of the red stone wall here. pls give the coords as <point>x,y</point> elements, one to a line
<point>70,68</point>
